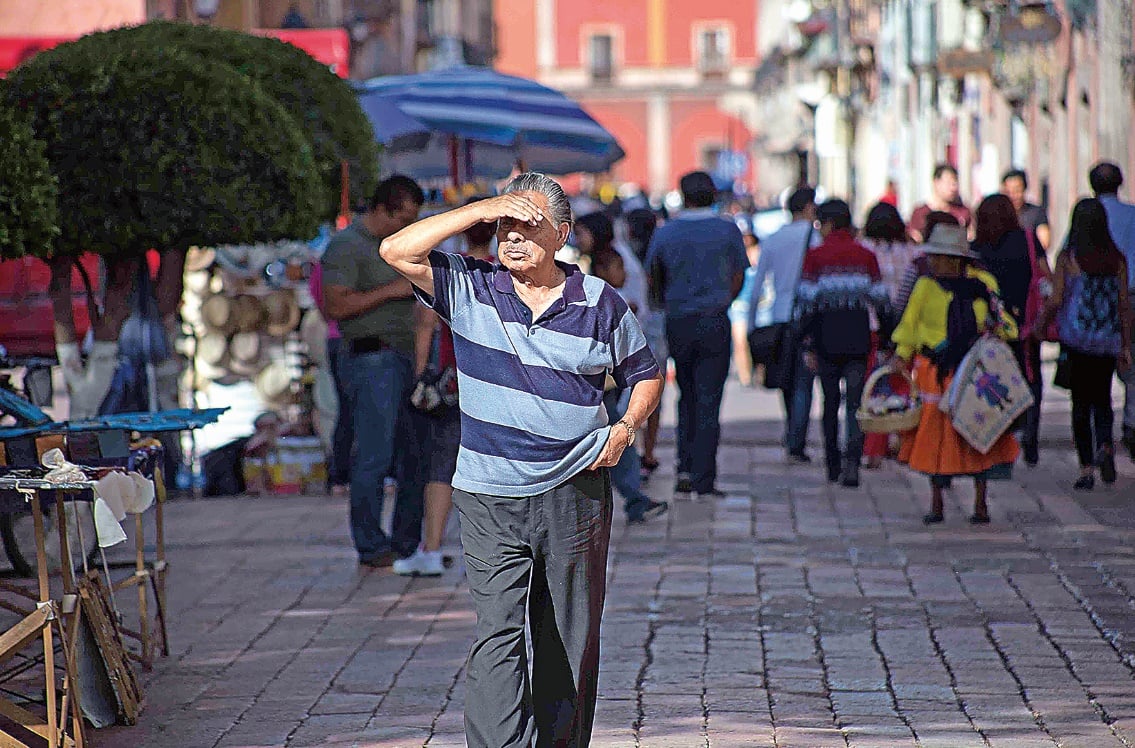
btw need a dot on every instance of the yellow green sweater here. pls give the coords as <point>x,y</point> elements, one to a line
<point>923,324</point>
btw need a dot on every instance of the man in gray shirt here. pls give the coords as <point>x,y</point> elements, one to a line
<point>374,307</point>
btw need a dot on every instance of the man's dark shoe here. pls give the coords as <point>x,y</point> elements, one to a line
<point>645,510</point>
<point>683,484</point>
<point>379,560</point>
<point>1085,483</point>
<point>850,478</point>
<point>932,518</point>
<point>979,519</point>
<point>799,457</point>
<point>834,472</point>
<point>1032,454</point>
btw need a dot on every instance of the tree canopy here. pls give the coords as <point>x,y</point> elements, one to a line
<point>322,103</point>
<point>28,194</point>
<point>155,147</point>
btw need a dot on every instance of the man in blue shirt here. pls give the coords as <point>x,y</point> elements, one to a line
<point>697,265</point>
<point>1106,178</point>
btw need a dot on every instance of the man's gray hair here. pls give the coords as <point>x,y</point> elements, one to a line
<point>532,181</point>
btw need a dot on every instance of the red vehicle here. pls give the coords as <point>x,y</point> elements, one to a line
<point>26,315</point>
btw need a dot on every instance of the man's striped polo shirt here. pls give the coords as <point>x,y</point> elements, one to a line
<point>531,391</point>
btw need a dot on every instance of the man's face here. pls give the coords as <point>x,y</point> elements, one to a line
<point>524,248</point>
<point>946,187</point>
<point>1014,189</point>
<point>405,214</point>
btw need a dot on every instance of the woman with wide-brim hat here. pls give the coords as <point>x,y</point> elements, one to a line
<point>948,311</point>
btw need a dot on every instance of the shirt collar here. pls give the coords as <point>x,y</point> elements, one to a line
<point>694,214</point>
<point>361,227</point>
<point>573,282</point>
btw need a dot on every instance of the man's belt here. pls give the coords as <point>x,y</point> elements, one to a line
<point>371,344</point>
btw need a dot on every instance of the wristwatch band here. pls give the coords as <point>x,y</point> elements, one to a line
<point>630,429</point>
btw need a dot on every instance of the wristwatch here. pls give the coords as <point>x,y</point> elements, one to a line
<point>630,430</point>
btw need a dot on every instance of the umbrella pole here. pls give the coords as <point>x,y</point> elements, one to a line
<point>344,195</point>
<point>454,162</point>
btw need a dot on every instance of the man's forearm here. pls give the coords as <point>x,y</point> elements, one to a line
<point>343,304</point>
<point>414,243</point>
<point>645,397</point>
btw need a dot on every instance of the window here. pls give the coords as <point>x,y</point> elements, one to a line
<point>601,57</point>
<point>713,50</point>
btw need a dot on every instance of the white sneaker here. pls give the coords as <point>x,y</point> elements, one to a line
<point>421,564</point>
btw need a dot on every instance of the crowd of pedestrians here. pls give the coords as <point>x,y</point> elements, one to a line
<point>818,300</point>
<point>916,297</point>
<point>503,358</point>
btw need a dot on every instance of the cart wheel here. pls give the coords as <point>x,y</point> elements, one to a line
<point>17,530</point>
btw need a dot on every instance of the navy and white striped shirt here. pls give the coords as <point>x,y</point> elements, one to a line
<point>532,414</point>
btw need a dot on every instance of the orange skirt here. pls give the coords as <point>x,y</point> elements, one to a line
<point>935,448</point>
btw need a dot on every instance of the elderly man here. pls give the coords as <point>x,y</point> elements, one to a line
<point>534,341</point>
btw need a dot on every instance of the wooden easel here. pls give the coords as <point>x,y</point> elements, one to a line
<point>39,625</point>
<point>152,634</point>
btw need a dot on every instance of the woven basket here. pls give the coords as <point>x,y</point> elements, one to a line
<point>889,423</point>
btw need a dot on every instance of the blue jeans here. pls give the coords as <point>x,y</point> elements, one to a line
<point>798,407</point>
<point>343,438</point>
<point>700,347</point>
<point>389,438</point>
<point>627,472</point>
<point>852,371</point>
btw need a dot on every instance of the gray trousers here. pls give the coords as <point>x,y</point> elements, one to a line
<point>544,556</point>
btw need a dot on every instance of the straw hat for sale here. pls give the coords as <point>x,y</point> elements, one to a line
<point>197,281</point>
<point>274,383</point>
<point>199,258</point>
<point>283,312</point>
<point>313,332</point>
<point>218,314</point>
<point>248,313</point>
<point>212,347</point>
<point>950,241</point>
<point>245,348</point>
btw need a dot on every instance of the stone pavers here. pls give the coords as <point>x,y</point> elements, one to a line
<point>790,613</point>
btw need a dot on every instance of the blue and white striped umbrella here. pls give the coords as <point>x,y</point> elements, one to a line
<point>545,129</point>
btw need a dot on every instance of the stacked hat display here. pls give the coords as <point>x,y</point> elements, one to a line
<point>244,303</point>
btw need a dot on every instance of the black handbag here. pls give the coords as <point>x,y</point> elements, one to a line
<point>764,343</point>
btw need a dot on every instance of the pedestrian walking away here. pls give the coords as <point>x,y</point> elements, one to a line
<point>840,286</point>
<point>698,261</point>
<point>1106,179</point>
<point>1010,252</point>
<point>948,312</point>
<point>885,234</point>
<point>534,341</point>
<point>374,308</point>
<point>1090,301</point>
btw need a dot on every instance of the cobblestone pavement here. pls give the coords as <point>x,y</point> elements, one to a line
<point>789,613</point>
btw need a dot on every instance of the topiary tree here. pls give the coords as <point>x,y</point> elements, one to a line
<point>28,193</point>
<point>322,103</point>
<point>156,148</point>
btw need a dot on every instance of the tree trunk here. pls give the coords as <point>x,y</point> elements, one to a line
<point>170,282</point>
<point>89,381</point>
<point>59,289</point>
